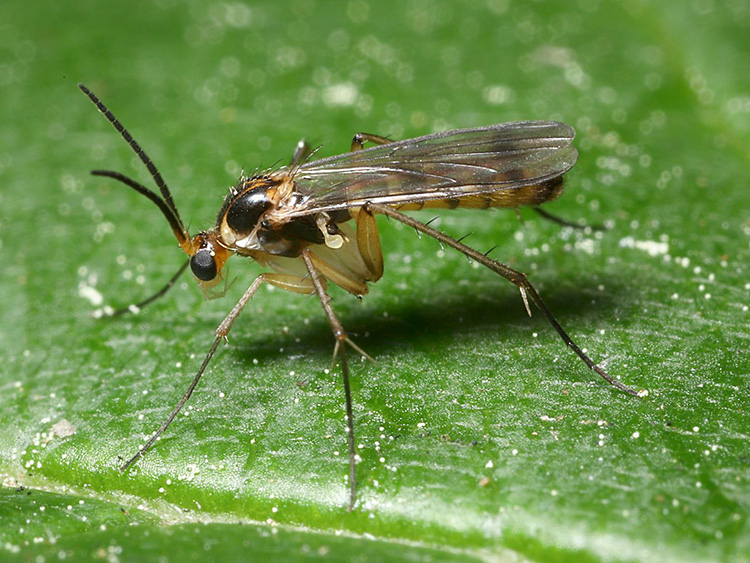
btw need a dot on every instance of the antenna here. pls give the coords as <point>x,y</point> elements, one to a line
<point>165,203</point>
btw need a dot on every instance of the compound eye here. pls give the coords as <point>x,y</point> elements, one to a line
<point>203,265</point>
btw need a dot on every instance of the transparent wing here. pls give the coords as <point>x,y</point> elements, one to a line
<point>443,165</point>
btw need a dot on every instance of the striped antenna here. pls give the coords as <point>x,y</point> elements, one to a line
<point>165,203</point>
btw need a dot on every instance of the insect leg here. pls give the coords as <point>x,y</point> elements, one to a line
<point>154,297</point>
<point>284,281</point>
<point>564,222</point>
<point>359,140</point>
<point>517,278</point>
<point>339,349</point>
<point>368,243</point>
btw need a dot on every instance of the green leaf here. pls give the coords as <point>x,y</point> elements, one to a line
<point>480,434</point>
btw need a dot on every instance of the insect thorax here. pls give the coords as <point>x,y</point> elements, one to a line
<point>253,219</point>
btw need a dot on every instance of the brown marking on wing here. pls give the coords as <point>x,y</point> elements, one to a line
<point>525,195</point>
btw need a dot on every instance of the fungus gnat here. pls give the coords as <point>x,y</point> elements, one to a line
<point>313,222</point>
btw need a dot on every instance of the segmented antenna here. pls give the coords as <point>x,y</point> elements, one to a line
<point>166,205</point>
<point>174,221</point>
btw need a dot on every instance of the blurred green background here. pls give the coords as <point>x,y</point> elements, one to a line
<point>480,435</point>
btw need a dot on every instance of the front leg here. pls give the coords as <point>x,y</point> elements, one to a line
<point>283,281</point>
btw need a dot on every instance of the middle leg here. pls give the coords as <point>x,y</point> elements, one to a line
<point>339,350</point>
